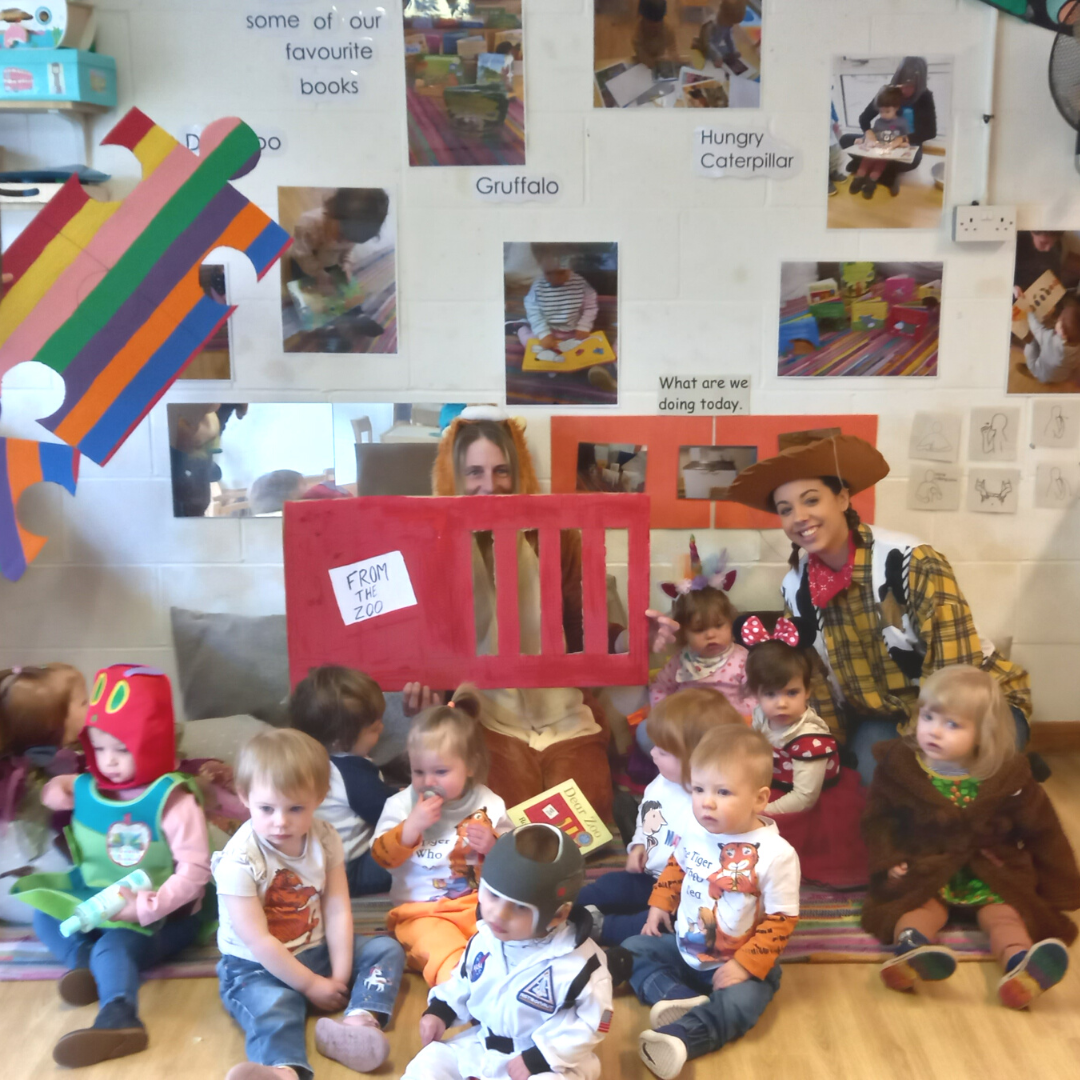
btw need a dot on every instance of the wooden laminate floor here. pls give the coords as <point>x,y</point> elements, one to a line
<point>829,1021</point>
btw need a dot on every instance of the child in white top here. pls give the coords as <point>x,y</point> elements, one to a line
<point>343,709</point>
<point>286,929</point>
<point>561,305</point>
<point>1053,354</point>
<point>535,987</point>
<point>433,837</point>
<point>733,889</point>
<point>816,803</point>
<point>619,901</point>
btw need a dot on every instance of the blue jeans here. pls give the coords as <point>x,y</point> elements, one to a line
<point>366,876</point>
<point>274,1015</point>
<point>872,730</point>
<point>661,974</point>
<point>624,899</point>
<point>115,957</point>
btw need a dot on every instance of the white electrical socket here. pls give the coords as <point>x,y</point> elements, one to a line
<point>984,223</point>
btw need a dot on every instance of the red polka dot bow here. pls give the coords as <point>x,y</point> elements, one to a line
<point>754,633</point>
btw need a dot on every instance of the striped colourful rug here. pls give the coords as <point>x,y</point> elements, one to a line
<point>828,932</point>
<point>433,139</point>
<point>863,352</point>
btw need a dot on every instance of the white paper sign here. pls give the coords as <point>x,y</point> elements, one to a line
<point>994,434</point>
<point>497,187</point>
<point>993,491</point>
<point>743,152</point>
<point>935,437</point>
<point>704,395</point>
<point>271,140</point>
<point>934,487</point>
<point>1056,486</point>
<point>1055,424</point>
<point>372,587</point>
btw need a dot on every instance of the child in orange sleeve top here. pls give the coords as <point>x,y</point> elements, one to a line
<point>732,887</point>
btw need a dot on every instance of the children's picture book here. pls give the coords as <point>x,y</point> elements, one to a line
<point>903,154</point>
<point>1039,298</point>
<point>566,808</point>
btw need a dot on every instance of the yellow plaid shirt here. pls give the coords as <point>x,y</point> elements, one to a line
<point>869,678</point>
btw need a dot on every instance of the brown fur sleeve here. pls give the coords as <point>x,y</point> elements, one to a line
<point>668,888</point>
<point>763,950</point>
<point>1055,862</point>
<point>879,828</point>
<point>388,850</point>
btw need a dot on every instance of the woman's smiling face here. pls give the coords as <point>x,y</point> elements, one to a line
<point>812,515</point>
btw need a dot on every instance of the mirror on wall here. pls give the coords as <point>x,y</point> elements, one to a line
<point>249,459</point>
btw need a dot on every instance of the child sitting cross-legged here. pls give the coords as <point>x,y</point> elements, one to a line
<point>534,985</point>
<point>343,710</point>
<point>732,889</point>
<point>434,835</point>
<point>619,901</point>
<point>286,929</point>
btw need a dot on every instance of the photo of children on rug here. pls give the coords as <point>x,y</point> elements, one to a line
<point>859,318</point>
<point>1044,350</point>
<point>465,82</point>
<point>614,467</point>
<point>889,133</point>
<point>670,54</point>
<point>562,315</point>
<point>339,277</point>
<point>706,471</point>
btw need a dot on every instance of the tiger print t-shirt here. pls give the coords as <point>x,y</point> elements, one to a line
<point>443,866</point>
<point>730,884</point>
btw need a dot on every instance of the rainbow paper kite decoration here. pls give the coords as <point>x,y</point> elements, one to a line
<point>24,462</point>
<point>108,294</point>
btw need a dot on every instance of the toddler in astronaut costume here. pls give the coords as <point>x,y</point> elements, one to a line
<point>531,978</point>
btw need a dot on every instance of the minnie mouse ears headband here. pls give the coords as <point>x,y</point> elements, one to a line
<point>710,574</point>
<point>749,630</point>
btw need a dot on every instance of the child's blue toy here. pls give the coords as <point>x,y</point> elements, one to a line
<point>103,906</point>
<point>799,328</point>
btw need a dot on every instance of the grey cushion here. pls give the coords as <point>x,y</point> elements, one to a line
<point>231,664</point>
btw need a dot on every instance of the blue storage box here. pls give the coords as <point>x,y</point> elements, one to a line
<point>58,75</point>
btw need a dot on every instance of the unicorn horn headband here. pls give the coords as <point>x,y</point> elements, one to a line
<point>712,573</point>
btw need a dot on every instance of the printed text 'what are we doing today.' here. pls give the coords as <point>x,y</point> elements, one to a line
<point>325,56</point>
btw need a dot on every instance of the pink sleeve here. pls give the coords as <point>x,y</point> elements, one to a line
<point>738,693</point>
<point>58,793</point>
<point>665,684</point>
<point>184,826</point>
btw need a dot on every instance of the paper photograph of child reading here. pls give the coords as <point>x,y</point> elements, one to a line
<point>339,277</point>
<point>1044,353</point>
<point>465,82</point>
<point>562,309</point>
<point>677,54</point>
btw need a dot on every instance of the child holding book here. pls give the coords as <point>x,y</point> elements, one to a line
<point>343,709</point>
<point>730,894</point>
<point>533,984</point>
<point>433,837</point>
<point>286,930</point>
<point>561,305</point>
<point>619,901</point>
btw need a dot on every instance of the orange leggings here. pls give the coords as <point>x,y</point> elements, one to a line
<point>434,934</point>
<point>999,922</point>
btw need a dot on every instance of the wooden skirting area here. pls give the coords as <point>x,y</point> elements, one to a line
<point>1055,738</point>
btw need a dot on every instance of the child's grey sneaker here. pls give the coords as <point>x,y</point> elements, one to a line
<point>665,1055</point>
<point>597,922</point>
<point>673,1010</point>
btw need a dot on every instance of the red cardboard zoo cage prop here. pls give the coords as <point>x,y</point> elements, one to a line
<point>434,640</point>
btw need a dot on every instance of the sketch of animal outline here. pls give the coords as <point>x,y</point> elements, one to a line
<point>1055,426</point>
<point>376,980</point>
<point>928,491</point>
<point>935,440</point>
<point>1001,494</point>
<point>1058,488</point>
<point>995,434</point>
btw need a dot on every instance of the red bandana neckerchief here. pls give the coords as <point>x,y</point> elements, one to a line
<point>825,583</point>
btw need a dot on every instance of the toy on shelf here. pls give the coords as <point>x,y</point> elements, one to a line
<point>103,906</point>
<point>590,351</point>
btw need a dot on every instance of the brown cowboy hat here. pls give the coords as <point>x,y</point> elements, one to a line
<point>858,464</point>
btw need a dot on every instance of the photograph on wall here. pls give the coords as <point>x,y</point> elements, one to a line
<point>613,467</point>
<point>859,318</point>
<point>706,472</point>
<point>934,487</point>
<point>993,491</point>
<point>994,434</point>
<point>1055,425</point>
<point>465,82</point>
<point>1044,349</point>
<point>668,54</point>
<point>248,460</point>
<point>339,276</point>
<point>889,133</point>
<point>1056,486</point>
<point>561,323</point>
<point>214,361</point>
